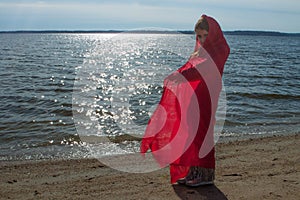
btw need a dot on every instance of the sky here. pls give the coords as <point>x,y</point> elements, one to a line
<point>264,15</point>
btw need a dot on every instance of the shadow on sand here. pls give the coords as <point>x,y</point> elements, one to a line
<point>208,192</point>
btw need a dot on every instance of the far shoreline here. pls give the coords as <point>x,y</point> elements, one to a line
<point>236,32</point>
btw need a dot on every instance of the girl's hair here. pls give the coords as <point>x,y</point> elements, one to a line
<point>202,24</point>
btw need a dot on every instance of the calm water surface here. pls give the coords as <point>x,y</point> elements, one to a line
<point>107,84</point>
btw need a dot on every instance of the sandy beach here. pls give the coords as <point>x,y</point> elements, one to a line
<point>262,168</point>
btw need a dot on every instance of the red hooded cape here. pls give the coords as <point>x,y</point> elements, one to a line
<point>180,131</point>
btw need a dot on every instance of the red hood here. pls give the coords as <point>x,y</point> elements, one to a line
<point>215,43</point>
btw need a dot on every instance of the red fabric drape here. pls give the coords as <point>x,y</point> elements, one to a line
<point>180,131</point>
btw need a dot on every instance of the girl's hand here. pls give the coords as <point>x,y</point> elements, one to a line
<point>194,55</point>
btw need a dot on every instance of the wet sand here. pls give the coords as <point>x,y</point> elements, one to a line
<point>263,168</point>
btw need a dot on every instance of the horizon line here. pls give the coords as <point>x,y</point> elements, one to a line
<point>142,30</point>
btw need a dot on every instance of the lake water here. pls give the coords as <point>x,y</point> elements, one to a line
<point>59,88</point>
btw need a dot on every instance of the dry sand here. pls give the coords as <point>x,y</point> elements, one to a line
<point>263,168</point>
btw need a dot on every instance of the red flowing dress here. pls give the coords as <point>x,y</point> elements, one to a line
<point>180,133</point>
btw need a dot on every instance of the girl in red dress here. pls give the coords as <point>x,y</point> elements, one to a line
<point>180,132</point>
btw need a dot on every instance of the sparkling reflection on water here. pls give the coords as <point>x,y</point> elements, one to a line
<point>119,85</point>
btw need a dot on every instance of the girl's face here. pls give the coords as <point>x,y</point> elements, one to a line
<point>202,35</point>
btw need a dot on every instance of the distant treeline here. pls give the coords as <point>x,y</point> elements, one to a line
<point>257,33</point>
<point>262,33</point>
